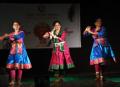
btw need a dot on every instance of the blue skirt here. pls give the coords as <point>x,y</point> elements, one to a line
<point>19,61</point>
<point>99,54</point>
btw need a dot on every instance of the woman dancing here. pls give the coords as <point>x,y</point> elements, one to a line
<point>60,50</point>
<point>101,49</point>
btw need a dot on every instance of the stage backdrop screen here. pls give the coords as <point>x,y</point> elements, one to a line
<point>36,19</point>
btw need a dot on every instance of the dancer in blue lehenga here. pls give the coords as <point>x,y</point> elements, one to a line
<point>101,49</point>
<point>18,58</point>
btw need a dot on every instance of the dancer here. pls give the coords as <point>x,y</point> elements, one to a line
<point>101,49</point>
<point>18,58</point>
<point>60,50</point>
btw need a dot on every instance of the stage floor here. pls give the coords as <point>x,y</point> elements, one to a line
<point>73,81</point>
<point>86,81</point>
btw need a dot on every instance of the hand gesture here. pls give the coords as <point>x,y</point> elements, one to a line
<point>88,28</point>
<point>52,35</point>
<point>5,35</point>
<point>46,35</point>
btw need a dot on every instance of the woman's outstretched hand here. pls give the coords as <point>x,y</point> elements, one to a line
<point>87,29</point>
<point>46,35</point>
<point>6,35</point>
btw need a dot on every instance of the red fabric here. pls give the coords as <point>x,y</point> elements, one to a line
<point>12,74</point>
<point>59,56</point>
<point>97,67</point>
<point>19,76</point>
